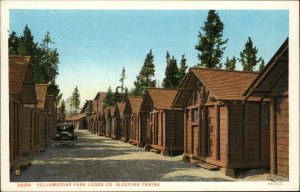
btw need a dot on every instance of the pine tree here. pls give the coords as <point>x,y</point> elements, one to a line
<point>144,79</point>
<point>210,42</point>
<point>13,44</point>
<point>122,80</point>
<point>109,98</point>
<point>62,107</point>
<point>171,73</point>
<point>75,99</point>
<point>248,56</point>
<point>27,45</point>
<point>125,95</point>
<point>182,69</point>
<point>230,63</point>
<point>262,65</point>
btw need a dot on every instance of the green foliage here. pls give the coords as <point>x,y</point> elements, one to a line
<point>62,107</point>
<point>123,76</point>
<point>26,44</point>
<point>58,98</point>
<point>144,79</point>
<point>210,43</point>
<point>262,65</point>
<point>13,44</point>
<point>45,60</point>
<point>171,73</point>
<point>75,99</point>
<point>182,69</point>
<point>230,63</point>
<point>125,95</point>
<point>248,56</point>
<point>109,98</point>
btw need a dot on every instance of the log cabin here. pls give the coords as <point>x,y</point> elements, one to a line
<point>42,106</point>
<point>220,129</point>
<point>107,123</point>
<point>138,122</point>
<point>23,127</point>
<point>78,120</point>
<point>115,122</point>
<point>272,84</point>
<point>165,125</point>
<point>125,112</point>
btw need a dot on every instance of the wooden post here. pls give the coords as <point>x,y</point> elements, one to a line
<point>273,135</point>
<point>164,129</point>
<point>217,132</point>
<point>200,131</point>
<point>205,134</point>
<point>260,129</point>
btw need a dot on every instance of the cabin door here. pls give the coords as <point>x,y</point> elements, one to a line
<point>194,148</point>
<point>211,131</point>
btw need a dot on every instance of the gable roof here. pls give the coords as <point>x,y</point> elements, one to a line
<point>76,117</point>
<point>17,70</point>
<point>135,103</point>
<point>222,84</point>
<point>100,96</point>
<point>162,98</point>
<point>84,108</point>
<point>121,107</point>
<point>276,67</point>
<point>41,94</point>
<point>112,110</point>
<point>106,113</point>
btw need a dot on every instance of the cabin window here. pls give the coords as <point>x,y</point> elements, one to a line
<point>195,115</point>
<point>267,119</point>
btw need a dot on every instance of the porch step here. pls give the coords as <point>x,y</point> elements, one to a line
<point>194,161</point>
<point>155,151</point>
<point>208,166</point>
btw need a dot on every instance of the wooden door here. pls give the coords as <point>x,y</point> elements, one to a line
<point>195,130</point>
<point>211,131</point>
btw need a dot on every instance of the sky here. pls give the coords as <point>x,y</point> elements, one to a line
<point>94,45</point>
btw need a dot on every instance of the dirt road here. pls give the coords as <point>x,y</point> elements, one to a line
<point>101,159</point>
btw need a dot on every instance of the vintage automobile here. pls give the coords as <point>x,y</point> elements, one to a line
<point>65,135</point>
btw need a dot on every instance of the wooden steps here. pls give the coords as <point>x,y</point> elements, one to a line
<point>205,165</point>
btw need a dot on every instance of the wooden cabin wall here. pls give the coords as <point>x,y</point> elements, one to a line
<point>134,120</point>
<point>27,130</point>
<point>108,127</point>
<point>15,134</point>
<point>248,135</point>
<point>280,135</point>
<point>142,128</point>
<point>173,121</point>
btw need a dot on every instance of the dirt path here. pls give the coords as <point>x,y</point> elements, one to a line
<point>101,159</point>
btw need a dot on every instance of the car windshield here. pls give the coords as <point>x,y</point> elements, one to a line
<point>65,128</point>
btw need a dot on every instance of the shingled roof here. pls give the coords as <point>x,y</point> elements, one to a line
<point>135,103</point>
<point>273,71</point>
<point>222,84</point>
<point>76,117</point>
<point>162,98</point>
<point>17,70</point>
<point>121,107</point>
<point>112,110</point>
<point>41,94</point>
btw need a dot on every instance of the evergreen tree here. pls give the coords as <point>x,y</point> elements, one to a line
<point>248,56</point>
<point>122,80</point>
<point>13,44</point>
<point>230,63</point>
<point>171,79</point>
<point>75,99</point>
<point>58,98</point>
<point>27,45</point>
<point>62,107</point>
<point>182,69</point>
<point>125,95</point>
<point>210,42</point>
<point>109,98</point>
<point>144,79</point>
<point>262,65</point>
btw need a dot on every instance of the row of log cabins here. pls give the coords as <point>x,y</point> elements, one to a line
<point>32,112</point>
<point>229,119</point>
